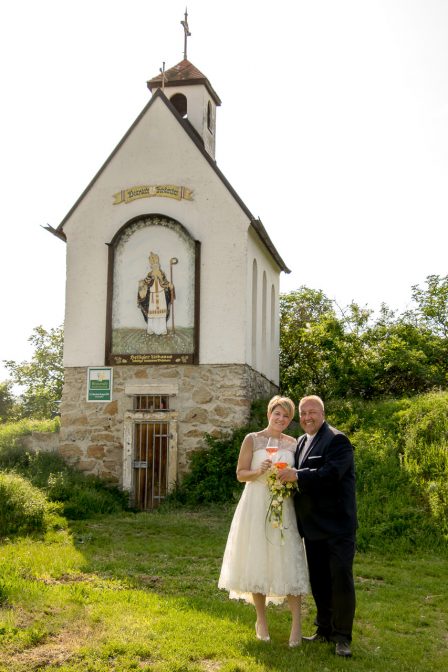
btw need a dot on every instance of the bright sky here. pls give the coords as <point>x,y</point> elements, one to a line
<point>333,130</point>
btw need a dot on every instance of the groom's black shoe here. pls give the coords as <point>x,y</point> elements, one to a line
<point>317,637</point>
<point>343,649</point>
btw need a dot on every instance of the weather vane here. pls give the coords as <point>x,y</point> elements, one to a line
<point>187,33</point>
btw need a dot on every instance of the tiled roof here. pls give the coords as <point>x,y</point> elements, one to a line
<point>181,74</point>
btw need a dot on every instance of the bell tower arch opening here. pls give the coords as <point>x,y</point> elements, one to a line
<point>181,104</point>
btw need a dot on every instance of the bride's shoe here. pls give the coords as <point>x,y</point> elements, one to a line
<point>295,638</point>
<point>294,642</point>
<point>263,639</point>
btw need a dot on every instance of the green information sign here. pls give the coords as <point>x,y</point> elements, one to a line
<point>99,383</point>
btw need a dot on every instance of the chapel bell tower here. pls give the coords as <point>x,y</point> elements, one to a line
<point>191,94</point>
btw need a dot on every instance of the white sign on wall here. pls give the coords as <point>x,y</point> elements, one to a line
<point>99,383</point>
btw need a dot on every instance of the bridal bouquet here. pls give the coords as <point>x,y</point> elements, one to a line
<point>279,492</point>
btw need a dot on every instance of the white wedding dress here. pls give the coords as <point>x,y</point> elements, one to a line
<point>256,558</point>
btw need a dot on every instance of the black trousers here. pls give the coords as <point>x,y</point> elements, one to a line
<point>330,563</point>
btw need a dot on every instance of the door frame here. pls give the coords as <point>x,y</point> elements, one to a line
<point>137,417</point>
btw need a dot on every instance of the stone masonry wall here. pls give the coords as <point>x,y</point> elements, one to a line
<point>210,399</point>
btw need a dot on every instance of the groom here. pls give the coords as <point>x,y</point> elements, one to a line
<point>326,516</point>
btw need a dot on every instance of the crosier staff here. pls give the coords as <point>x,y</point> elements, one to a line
<point>173,262</point>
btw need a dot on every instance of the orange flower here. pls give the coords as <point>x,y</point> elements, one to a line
<point>281,465</point>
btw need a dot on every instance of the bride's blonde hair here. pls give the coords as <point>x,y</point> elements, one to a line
<point>285,402</point>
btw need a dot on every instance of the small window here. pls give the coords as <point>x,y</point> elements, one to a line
<point>151,402</point>
<point>180,103</point>
<point>209,117</point>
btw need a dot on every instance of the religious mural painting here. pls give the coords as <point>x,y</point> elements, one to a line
<point>153,294</point>
<point>155,297</point>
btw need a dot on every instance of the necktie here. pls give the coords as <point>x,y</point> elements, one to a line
<point>304,449</point>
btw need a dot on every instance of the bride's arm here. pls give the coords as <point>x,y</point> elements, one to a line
<point>243,471</point>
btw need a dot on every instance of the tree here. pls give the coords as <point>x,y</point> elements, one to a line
<point>432,304</point>
<point>7,401</point>
<point>42,377</point>
<point>408,358</point>
<point>349,353</point>
<point>302,359</point>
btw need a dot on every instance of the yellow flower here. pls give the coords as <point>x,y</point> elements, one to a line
<point>279,492</point>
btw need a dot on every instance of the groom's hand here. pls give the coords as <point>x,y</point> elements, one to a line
<point>287,475</point>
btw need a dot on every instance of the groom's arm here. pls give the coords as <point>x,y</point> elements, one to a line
<point>330,467</point>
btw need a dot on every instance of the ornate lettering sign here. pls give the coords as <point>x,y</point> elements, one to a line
<point>154,359</point>
<point>149,191</point>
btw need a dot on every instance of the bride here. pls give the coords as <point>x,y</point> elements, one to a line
<point>263,563</point>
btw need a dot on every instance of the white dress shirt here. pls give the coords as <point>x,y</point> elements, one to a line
<point>304,449</point>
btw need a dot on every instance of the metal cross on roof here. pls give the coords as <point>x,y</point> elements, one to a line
<point>187,33</point>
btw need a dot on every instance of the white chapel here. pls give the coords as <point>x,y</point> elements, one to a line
<point>172,298</point>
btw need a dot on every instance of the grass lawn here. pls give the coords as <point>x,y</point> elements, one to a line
<point>138,592</point>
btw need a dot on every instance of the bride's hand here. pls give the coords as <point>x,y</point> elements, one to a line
<point>265,465</point>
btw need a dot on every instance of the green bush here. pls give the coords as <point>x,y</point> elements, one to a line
<point>23,507</point>
<point>4,593</point>
<point>81,496</point>
<point>84,496</point>
<point>391,511</point>
<point>86,501</point>
<point>211,477</point>
<point>401,466</point>
<point>425,453</point>
<point>212,474</point>
<point>10,432</point>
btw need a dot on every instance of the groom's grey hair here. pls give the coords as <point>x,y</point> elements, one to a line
<point>312,397</point>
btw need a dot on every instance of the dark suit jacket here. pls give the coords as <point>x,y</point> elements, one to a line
<point>326,501</point>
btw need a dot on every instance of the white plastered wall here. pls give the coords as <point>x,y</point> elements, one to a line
<point>158,151</point>
<point>263,354</point>
<point>197,98</point>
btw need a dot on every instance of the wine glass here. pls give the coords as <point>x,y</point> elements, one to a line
<point>272,447</point>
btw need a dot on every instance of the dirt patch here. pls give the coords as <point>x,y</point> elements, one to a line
<point>210,665</point>
<point>56,650</point>
<point>149,581</point>
<point>68,578</point>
